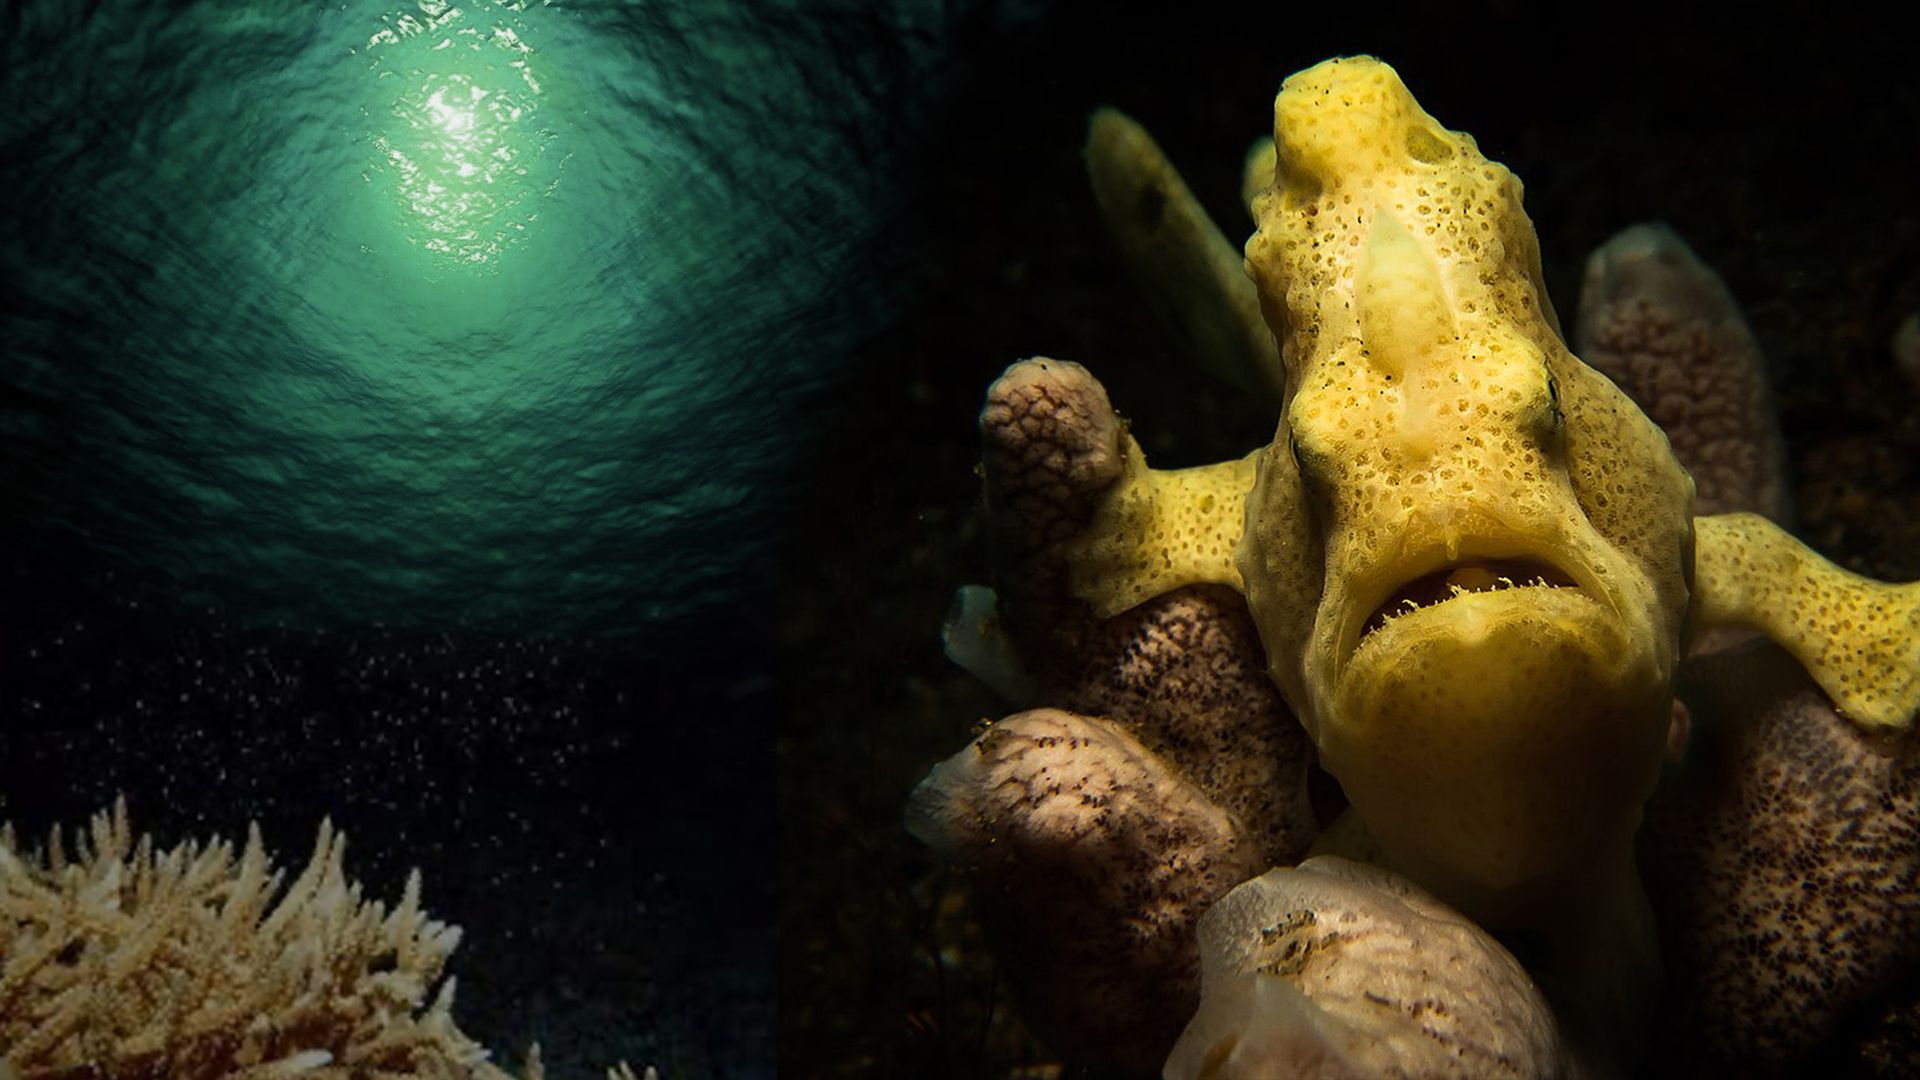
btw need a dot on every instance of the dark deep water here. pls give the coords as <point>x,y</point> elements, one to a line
<point>396,402</point>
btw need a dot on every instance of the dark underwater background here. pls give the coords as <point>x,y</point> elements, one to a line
<point>397,404</point>
<point>550,454</point>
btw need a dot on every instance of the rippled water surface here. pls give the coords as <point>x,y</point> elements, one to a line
<point>489,313</point>
<point>395,400</point>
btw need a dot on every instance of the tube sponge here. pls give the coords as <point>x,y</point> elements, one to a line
<point>1664,327</point>
<point>1336,968</point>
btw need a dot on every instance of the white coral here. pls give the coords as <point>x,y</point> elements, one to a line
<point>120,961</point>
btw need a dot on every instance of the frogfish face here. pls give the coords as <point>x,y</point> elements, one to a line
<point>1466,551</point>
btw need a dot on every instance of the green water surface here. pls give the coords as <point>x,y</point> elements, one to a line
<point>489,312</point>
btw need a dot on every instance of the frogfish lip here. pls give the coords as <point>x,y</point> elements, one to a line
<point>1440,576</point>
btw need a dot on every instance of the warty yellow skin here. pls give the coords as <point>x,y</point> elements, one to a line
<point>1472,560</point>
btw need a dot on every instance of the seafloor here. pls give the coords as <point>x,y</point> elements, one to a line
<point>1784,150</point>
